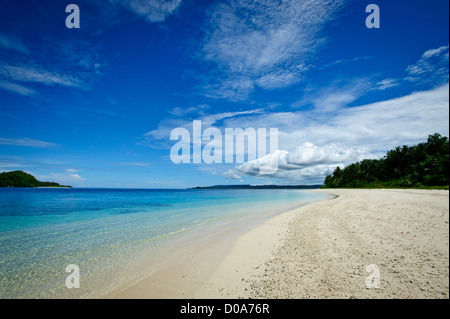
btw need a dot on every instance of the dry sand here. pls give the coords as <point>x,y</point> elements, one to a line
<point>321,250</point>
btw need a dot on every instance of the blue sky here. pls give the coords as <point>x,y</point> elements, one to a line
<point>95,106</point>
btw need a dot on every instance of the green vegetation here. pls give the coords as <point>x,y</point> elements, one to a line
<point>22,179</point>
<point>425,165</point>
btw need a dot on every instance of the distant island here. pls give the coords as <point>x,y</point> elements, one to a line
<point>259,187</point>
<point>425,165</point>
<point>22,179</point>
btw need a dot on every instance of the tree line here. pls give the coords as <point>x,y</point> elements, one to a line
<point>422,165</point>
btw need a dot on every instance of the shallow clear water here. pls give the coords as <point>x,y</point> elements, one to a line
<point>105,231</point>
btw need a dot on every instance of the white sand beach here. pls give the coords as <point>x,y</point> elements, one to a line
<point>321,250</point>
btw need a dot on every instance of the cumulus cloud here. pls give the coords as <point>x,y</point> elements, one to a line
<point>312,142</point>
<point>311,145</point>
<point>379,126</point>
<point>306,161</point>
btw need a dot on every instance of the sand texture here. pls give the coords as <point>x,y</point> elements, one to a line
<point>321,250</point>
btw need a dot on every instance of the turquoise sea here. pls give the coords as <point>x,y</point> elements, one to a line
<point>106,232</point>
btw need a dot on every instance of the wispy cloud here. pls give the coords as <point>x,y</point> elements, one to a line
<point>134,164</point>
<point>34,75</point>
<point>8,164</point>
<point>208,120</point>
<point>151,10</point>
<point>22,72</point>
<point>269,44</point>
<point>386,84</point>
<point>342,61</point>
<point>431,68</point>
<point>336,95</point>
<point>25,141</point>
<point>12,43</point>
<point>179,111</point>
<point>17,88</point>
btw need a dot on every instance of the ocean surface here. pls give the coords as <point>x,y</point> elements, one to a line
<point>107,232</point>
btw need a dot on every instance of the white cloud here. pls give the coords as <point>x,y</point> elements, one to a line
<point>378,126</point>
<point>152,10</point>
<point>343,61</point>
<point>431,68</point>
<point>8,165</point>
<point>264,43</point>
<point>287,171</point>
<point>76,177</point>
<point>16,88</point>
<point>27,142</point>
<point>135,164</point>
<point>435,52</point>
<point>335,96</point>
<point>233,89</point>
<point>332,101</point>
<point>386,84</point>
<point>306,161</point>
<point>19,72</point>
<point>208,120</point>
<point>281,78</point>
<point>308,154</point>
<point>64,178</point>
<point>13,43</point>
<point>179,111</point>
<point>313,141</point>
<point>312,145</point>
<point>32,74</point>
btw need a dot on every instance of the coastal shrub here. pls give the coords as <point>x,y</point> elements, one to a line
<point>423,165</point>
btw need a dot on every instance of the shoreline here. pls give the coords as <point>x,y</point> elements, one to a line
<point>320,250</point>
<point>187,262</point>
